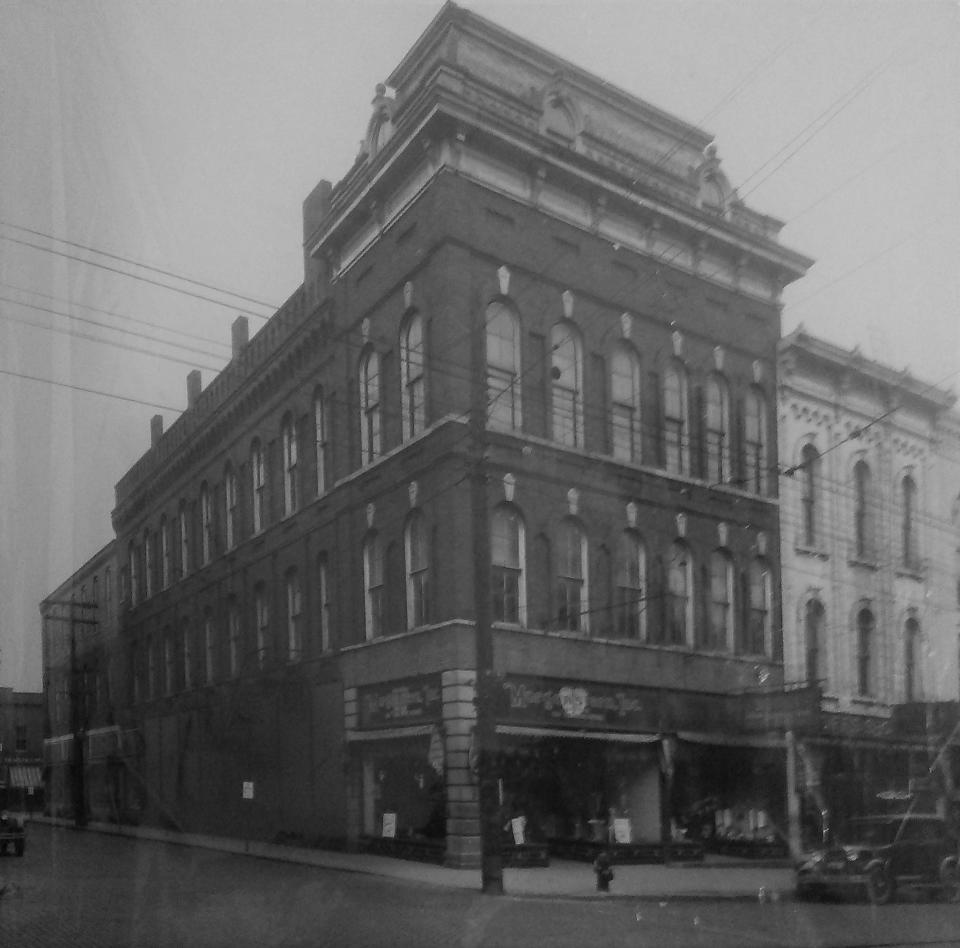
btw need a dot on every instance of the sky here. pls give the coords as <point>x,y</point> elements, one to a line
<point>185,135</point>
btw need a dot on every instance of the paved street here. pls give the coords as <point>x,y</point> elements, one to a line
<point>88,889</point>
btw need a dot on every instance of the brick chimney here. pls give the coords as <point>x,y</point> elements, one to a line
<point>156,430</point>
<point>239,335</point>
<point>193,388</point>
<point>315,208</point>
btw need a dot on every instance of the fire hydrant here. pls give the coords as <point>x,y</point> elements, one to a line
<point>604,870</point>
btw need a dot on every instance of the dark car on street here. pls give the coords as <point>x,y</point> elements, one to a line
<point>11,834</point>
<point>876,855</point>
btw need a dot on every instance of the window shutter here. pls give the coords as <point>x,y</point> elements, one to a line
<point>654,420</point>
<point>698,463</point>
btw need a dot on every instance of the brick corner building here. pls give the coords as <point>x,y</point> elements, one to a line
<point>521,410</point>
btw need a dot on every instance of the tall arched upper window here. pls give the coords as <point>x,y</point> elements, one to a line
<point>294,617</point>
<point>503,367</point>
<point>862,511</point>
<point>676,444</point>
<point>908,502</point>
<point>755,461</point>
<point>810,495</point>
<point>865,645</point>
<point>370,443</point>
<point>165,553</point>
<point>291,458</point>
<point>718,430</point>
<point>566,384</point>
<point>412,397</point>
<point>911,656</point>
<point>231,511</point>
<point>572,599</point>
<point>720,621</point>
<point>235,635</point>
<point>418,570</point>
<point>148,564</point>
<point>373,583</point>
<point>631,573</point>
<point>209,649</point>
<point>760,618</point>
<point>183,529</point>
<point>814,622</point>
<point>206,524</point>
<point>186,653</point>
<point>507,554</point>
<point>625,403</point>
<point>679,611</point>
<point>323,594</point>
<point>261,616</point>
<point>258,477</point>
<point>320,438</point>
<point>133,561</point>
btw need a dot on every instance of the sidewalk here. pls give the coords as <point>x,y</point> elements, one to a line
<point>717,878</point>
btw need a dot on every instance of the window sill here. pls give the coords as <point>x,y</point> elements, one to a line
<point>858,562</point>
<point>811,551</point>
<point>914,572</point>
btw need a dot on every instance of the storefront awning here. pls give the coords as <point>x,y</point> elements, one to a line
<point>624,738</point>
<point>730,740</point>
<point>25,776</point>
<point>391,733</point>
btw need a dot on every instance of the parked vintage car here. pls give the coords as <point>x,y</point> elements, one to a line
<point>11,834</point>
<point>877,855</point>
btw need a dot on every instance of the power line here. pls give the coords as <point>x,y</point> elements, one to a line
<point>101,325</point>
<point>136,263</point>
<point>132,276</point>
<point>89,391</point>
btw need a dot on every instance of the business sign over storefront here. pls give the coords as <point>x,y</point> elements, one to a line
<point>400,703</point>
<point>545,701</point>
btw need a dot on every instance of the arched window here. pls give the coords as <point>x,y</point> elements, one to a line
<point>625,403</point>
<point>320,438</point>
<point>209,648</point>
<point>862,511</point>
<point>720,623</point>
<point>148,564</point>
<point>261,615</point>
<point>759,621</point>
<point>572,599</point>
<point>755,460</point>
<point>206,524</point>
<point>814,623</point>
<point>323,593</point>
<point>412,398</point>
<point>294,617</point>
<point>679,596</point>
<point>152,684</point>
<point>503,367</point>
<point>133,558</point>
<point>865,627</point>
<point>165,571</point>
<point>231,512</point>
<point>911,655</point>
<point>908,525</point>
<point>810,494</point>
<point>235,636</point>
<point>186,650</point>
<point>169,661</point>
<point>418,570</point>
<point>676,446</point>
<point>183,529</point>
<point>631,575</point>
<point>373,586</point>
<point>566,384</point>
<point>507,585</point>
<point>718,430</point>
<point>370,444</point>
<point>291,457</point>
<point>258,477</point>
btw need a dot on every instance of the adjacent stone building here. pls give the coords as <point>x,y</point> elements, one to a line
<point>869,531</point>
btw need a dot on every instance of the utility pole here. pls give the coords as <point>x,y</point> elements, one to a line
<point>77,716</point>
<point>485,733</point>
